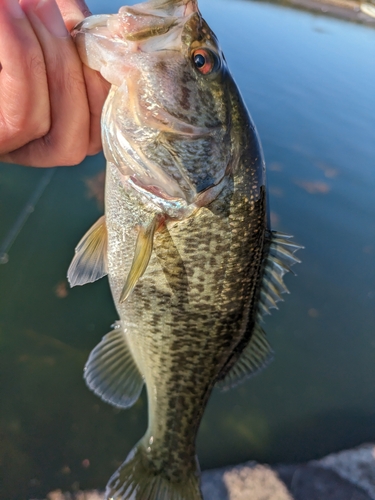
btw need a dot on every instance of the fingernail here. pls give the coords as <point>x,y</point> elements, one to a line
<point>50,15</point>
<point>14,8</point>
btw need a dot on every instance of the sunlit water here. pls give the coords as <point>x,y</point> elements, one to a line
<point>308,82</point>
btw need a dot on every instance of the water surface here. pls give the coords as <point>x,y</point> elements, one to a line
<point>308,82</point>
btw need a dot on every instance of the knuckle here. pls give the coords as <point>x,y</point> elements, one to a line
<point>72,160</point>
<point>68,72</point>
<point>35,66</point>
<point>94,148</point>
<point>75,84</point>
<point>68,155</point>
<point>23,128</point>
<point>30,127</point>
<point>24,107</point>
<point>41,129</point>
<point>37,126</point>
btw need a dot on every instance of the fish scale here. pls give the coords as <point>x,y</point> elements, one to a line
<point>162,346</point>
<point>185,240</point>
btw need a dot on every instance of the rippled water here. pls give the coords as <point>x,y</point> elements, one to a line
<point>308,82</point>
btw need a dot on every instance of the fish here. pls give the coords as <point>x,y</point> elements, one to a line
<point>185,238</point>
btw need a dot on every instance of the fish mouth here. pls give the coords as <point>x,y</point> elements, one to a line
<point>154,18</point>
<point>94,24</point>
<point>138,23</point>
<point>111,44</point>
<point>106,43</point>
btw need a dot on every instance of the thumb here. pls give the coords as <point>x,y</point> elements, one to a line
<point>73,11</point>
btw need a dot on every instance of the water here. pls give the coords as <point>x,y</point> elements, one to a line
<point>308,82</point>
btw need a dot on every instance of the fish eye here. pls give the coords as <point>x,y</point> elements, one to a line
<point>205,61</point>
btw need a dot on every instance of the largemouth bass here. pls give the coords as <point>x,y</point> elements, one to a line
<point>192,262</point>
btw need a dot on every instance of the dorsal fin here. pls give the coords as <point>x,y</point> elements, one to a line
<point>111,371</point>
<point>90,260</point>
<point>278,262</point>
<point>142,254</point>
<point>256,356</point>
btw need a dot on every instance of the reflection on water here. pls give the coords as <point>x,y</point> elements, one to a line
<point>308,83</point>
<point>21,220</point>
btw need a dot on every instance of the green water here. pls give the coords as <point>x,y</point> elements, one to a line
<point>308,82</point>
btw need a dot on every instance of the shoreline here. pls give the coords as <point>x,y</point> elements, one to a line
<point>349,10</point>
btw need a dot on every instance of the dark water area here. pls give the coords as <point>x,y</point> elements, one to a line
<point>308,82</point>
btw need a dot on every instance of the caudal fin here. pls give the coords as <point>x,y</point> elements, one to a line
<point>134,480</point>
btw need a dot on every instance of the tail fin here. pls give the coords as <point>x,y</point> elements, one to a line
<point>134,480</point>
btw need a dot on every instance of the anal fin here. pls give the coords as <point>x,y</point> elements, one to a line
<point>142,254</point>
<point>90,260</point>
<point>111,372</point>
<point>256,356</point>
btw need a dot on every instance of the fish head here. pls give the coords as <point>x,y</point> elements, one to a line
<point>167,120</point>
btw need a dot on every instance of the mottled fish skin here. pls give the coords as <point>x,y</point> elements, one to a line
<point>197,299</point>
<point>194,310</point>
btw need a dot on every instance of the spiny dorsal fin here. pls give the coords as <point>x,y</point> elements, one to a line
<point>142,254</point>
<point>278,262</point>
<point>256,356</point>
<point>90,261</point>
<point>111,371</point>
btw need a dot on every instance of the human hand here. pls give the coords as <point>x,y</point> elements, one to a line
<point>50,103</point>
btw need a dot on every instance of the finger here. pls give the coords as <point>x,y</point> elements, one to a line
<point>73,11</point>
<point>97,88</point>
<point>67,141</point>
<point>24,99</point>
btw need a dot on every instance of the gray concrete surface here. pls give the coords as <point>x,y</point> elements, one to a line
<point>349,475</point>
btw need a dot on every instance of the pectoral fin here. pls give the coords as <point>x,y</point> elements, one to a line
<point>142,254</point>
<point>90,261</point>
<point>256,356</point>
